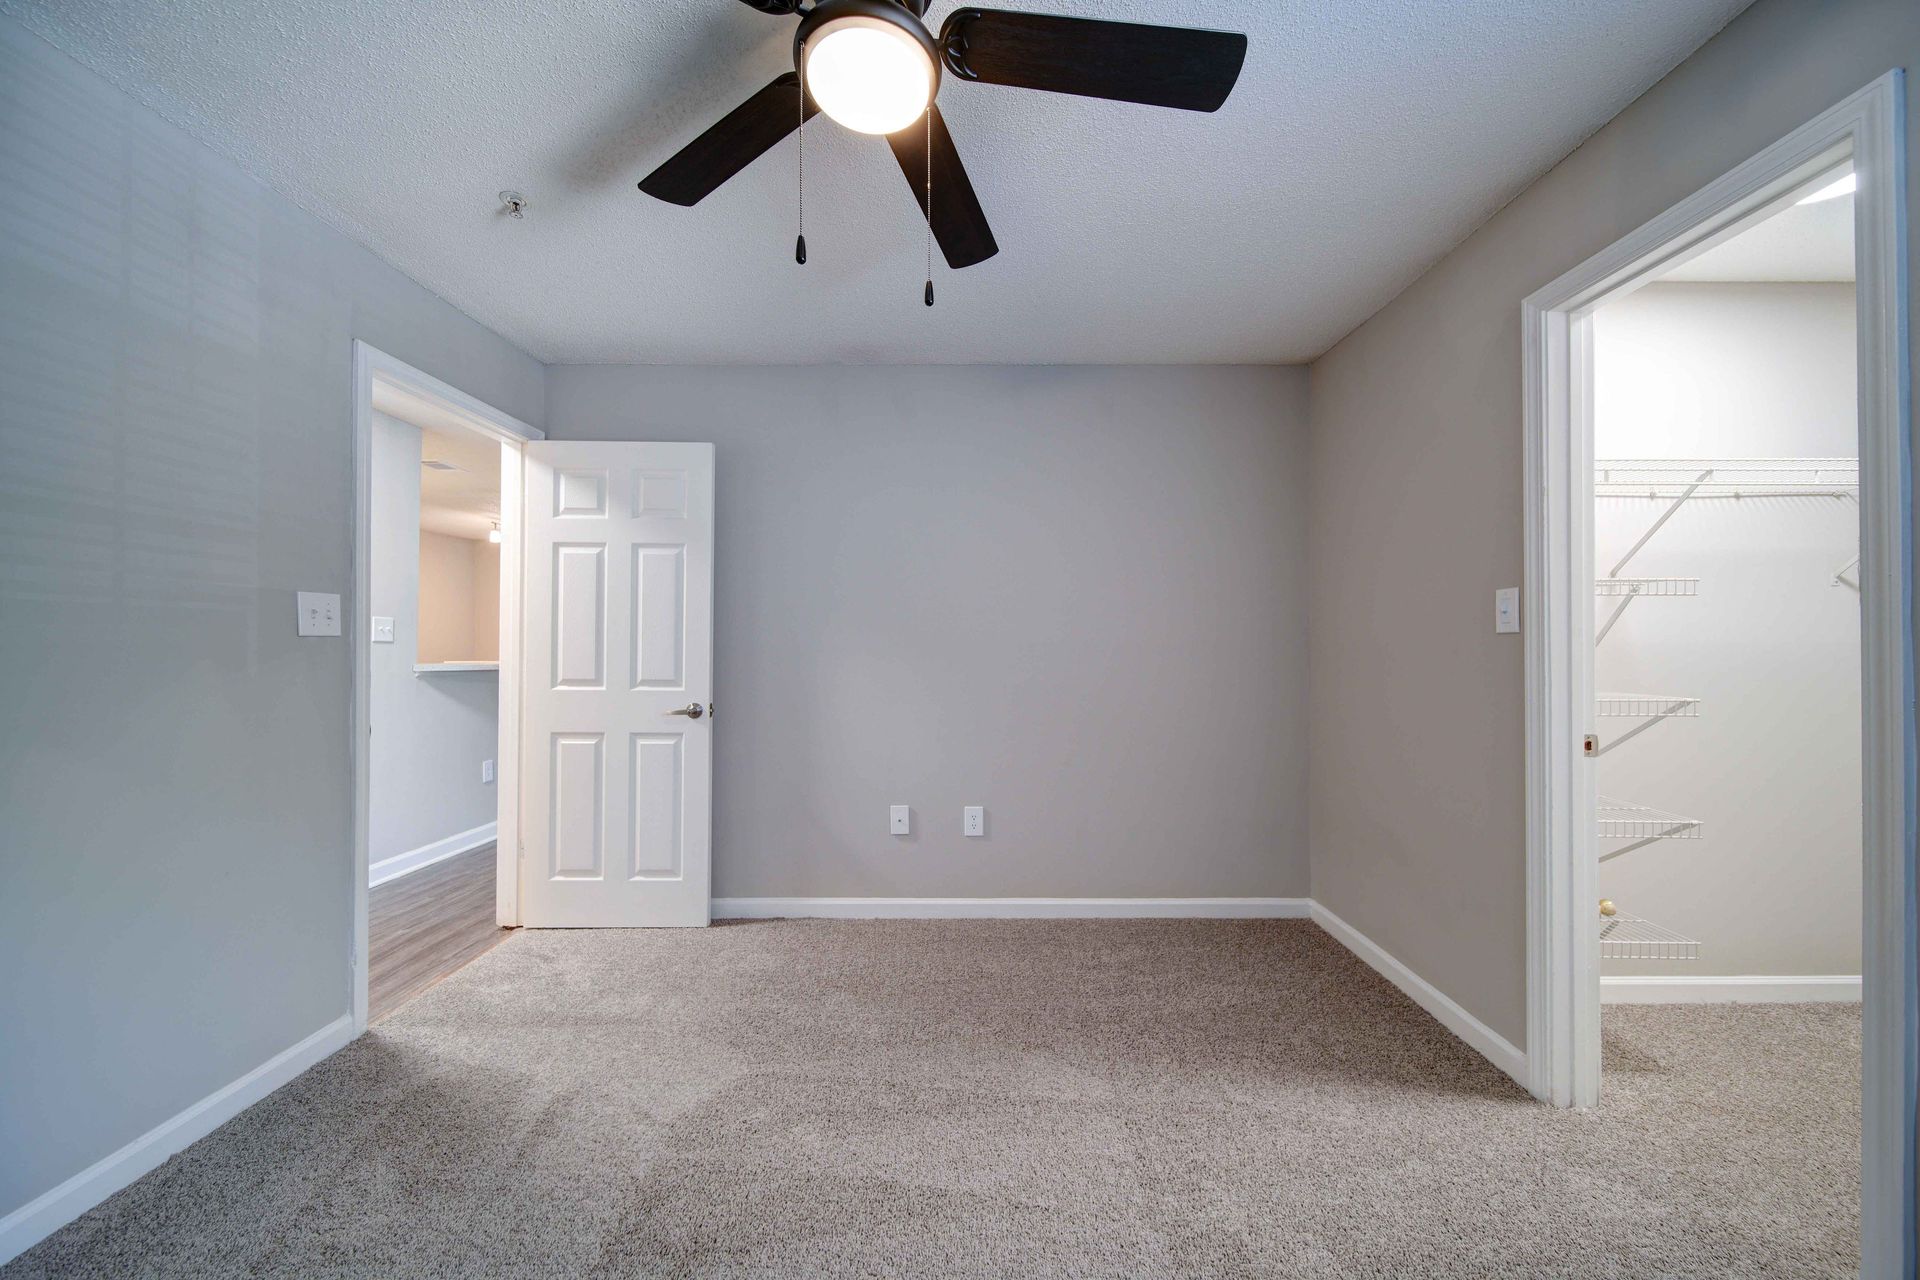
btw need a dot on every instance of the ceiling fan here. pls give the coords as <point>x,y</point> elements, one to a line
<point>873,67</point>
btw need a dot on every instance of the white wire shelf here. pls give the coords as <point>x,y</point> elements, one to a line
<point>1622,820</point>
<point>1726,477</point>
<point>1646,586</point>
<point>1646,704</point>
<point>1631,938</point>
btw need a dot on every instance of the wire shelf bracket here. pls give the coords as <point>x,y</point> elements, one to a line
<point>1649,708</point>
<point>1631,938</point>
<point>1679,501</point>
<point>1634,588</point>
<point>1684,478</point>
<point>1630,589</point>
<point>1680,480</point>
<point>1640,824</point>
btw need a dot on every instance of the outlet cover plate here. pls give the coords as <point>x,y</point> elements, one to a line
<point>319,613</point>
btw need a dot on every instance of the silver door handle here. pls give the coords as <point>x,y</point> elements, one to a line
<point>692,711</point>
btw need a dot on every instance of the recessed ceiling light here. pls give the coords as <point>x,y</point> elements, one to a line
<point>1843,186</point>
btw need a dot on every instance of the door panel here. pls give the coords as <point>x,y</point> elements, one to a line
<point>617,819</point>
<point>656,792</point>
<point>659,616</point>
<point>579,616</point>
<point>578,768</point>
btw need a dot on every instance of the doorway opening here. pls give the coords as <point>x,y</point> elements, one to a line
<point>434,589</point>
<point>1726,498</point>
<point>436,683</point>
<point>1727,641</point>
<point>1726,669</point>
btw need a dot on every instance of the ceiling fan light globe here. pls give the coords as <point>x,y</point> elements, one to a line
<point>868,75</point>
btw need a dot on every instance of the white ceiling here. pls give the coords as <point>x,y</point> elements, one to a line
<point>1806,242</point>
<point>1366,138</point>
<point>464,502</point>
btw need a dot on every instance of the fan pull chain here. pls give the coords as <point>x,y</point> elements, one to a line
<point>800,240</point>
<point>929,293</point>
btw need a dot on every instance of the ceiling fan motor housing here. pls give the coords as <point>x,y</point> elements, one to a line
<point>904,14</point>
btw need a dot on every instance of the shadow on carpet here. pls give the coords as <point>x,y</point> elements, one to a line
<point>996,1098</point>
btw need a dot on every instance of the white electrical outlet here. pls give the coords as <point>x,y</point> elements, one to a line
<point>319,613</point>
<point>973,820</point>
<point>383,630</point>
<point>897,821</point>
<point>1506,610</point>
<point>486,771</point>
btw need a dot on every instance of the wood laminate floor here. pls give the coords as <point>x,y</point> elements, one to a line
<point>423,926</point>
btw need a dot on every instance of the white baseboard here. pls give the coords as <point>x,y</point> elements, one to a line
<point>1737,989</point>
<point>1483,1039</point>
<point>1010,908</point>
<point>41,1217</point>
<point>427,854</point>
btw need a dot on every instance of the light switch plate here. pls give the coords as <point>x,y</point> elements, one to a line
<point>383,630</point>
<point>319,613</point>
<point>973,820</point>
<point>898,823</point>
<point>1506,610</point>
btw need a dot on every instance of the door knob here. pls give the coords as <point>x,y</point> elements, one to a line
<point>692,711</point>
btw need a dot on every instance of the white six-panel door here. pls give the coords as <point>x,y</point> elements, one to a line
<point>616,736</point>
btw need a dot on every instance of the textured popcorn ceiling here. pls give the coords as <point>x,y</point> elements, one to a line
<point>1366,137</point>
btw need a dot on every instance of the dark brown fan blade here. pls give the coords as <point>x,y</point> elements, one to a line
<point>1161,66</point>
<point>698,168</point>
<point>959,224</point>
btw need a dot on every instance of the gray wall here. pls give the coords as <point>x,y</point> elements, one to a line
<point>430,732</point>
<point>1074,596</point>
<point>1417,810</point>
<point>1771,646</point>
<point>175,850</point>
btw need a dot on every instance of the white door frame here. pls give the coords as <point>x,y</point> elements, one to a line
<point>1563,987</point>
<point>376,371</point>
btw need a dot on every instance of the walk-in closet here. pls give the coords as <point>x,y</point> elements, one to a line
<point>1727,629</point>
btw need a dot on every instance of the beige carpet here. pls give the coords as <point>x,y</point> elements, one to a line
<point>996,1098</point>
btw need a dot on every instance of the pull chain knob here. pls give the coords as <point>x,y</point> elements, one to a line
<point>800,186</point>
<point>928,295</point>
